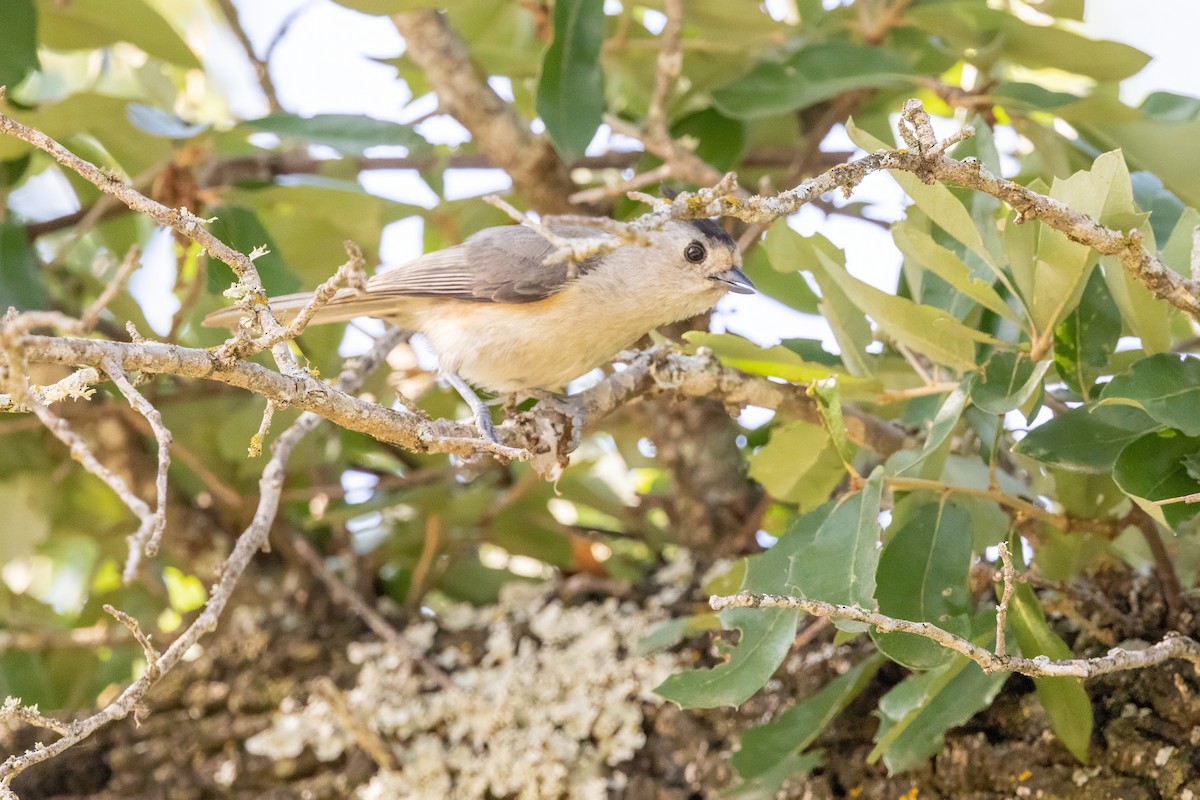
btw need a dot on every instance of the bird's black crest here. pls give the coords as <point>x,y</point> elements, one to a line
<point>714,232</point>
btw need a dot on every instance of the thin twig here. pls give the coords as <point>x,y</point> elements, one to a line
<point>343,594</point>
<point>147,538</point>
<point>1163,564</point>
<point>262,68</point>
<point>1007,579</point>
<point>1116,660</point>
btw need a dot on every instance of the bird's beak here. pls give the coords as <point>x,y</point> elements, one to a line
<point>734,280</point>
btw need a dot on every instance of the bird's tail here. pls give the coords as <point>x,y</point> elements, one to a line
<point>345,305</point>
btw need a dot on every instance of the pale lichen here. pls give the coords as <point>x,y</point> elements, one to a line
<point>544,705</point>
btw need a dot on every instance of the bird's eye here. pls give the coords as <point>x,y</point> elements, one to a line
<point>694,252</point>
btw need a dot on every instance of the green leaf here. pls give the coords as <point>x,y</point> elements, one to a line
<point>1166,386</point>
<point>570,94</point>
<point>240,229</point>
<point>767,633</point>
<point>776,362</point>
<point>922,577</point>
<point>1086,439</point>
<point>349,134</point>
<point>925,329</point>
<point>1029,96</point>
<point>764,747</point>
<point>1065,700</point>
<point>789,250</point>
<point>1148,143</point>
<point>840,557</point>
<point>1177,252</point>
<point>917,713</point>
<point>920,249</point>
<point>20,278</point>
<point>943,424</point>
<point>814,73</point>
<point>829,404</point>
<point>1105,193</point>
<point>1164,207</point>
<point>767,636</point>
<point>970,27</point>
<point>18,42</point>
<point>1155,467</point>
<point>1006,382</point>
<point>1086,340</point>
<point>798,465</point>
<point>719,140</point>
<point>90,24</point>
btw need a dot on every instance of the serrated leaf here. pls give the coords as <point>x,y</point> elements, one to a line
<point>1086,439</point>
<point>1085,341</point>
<point>1065,700</point>
<point>922,577</point>
<point>764,747</point>
<point>1006,382</point>
<point>820,71</point>
<point>1166,386</point>
<point>1154,467</point>
<point>570,94</point>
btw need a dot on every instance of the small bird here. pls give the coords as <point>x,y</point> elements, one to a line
<point>500,319</point>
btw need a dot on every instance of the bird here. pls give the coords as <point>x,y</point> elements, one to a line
<point>500,318</point>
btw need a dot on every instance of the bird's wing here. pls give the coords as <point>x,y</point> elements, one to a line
<point>497,265</point>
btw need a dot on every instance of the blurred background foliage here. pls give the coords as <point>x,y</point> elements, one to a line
<point>987,330</point>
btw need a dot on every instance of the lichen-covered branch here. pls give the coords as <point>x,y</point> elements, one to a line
<point>404,428</point>
<point>1116,660</point>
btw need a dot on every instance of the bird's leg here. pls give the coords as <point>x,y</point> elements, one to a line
<point>483,415</point>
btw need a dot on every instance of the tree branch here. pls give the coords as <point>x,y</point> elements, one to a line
<point>1116,660</point>
<point>538,174</point>
<point>253,539</point>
